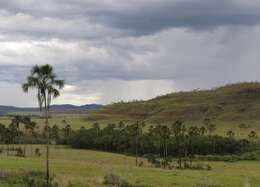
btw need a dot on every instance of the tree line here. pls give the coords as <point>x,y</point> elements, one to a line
<point>163,141</point>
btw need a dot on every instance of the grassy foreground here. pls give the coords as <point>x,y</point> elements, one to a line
<point>90,167</point>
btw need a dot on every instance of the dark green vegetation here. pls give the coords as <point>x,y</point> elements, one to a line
<point>161,143</point>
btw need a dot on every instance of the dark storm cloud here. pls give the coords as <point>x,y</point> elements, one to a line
<point>139,17</point>
<point>151,17</point>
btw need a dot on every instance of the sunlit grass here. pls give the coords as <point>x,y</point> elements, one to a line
<point>90,167</point>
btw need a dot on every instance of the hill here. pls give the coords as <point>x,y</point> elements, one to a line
<point>66,108</point>
<point>231,102</point>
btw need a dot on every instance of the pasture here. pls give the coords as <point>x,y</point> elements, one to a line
<point>78,121</point>
<point>90,167</point>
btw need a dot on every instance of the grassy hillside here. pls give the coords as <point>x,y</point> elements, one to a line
<point>234,102</point>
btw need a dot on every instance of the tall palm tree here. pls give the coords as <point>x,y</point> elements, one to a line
<point>193,133</point>
<point>43,79</point>
<point>164,133</point>
<point>135,130</point>
<point>16,123</point>
<point>30,128</point>
<point>179,130</point>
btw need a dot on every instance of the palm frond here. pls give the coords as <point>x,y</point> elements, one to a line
<point>59,83</point>
<point>35,70</point>
<point>44,80</point>
<point>25,87</point>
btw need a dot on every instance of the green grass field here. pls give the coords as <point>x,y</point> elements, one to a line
<point>78,121</point>
<point>90,167</point>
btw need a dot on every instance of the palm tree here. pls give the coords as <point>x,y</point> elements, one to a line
<point>67,132</point>
<point>16,121</point>
<point>203,130</point>
<point>211,128</point>
<point>230,134</point>
<point>179,130</point>
<point>136,130</point>
<point>44,80</point>
<point>252,136</point>
<point>193,133</point>
<point>96,126</point>
<point>164,133</point>
<point>30,127</point>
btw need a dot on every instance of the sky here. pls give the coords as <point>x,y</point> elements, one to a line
<point>113,50</point>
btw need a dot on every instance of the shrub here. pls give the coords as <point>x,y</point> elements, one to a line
<point>151,158</point>
<point>250,156</point>
<point>115,181</point>
<point>37,179</point>
<point>206,184</point>
<point>201,166</point>
<point>244,126</point>
<point>76,185</point>
<point>19,152</point>
<point>112,180</point>
<point>37,152</point>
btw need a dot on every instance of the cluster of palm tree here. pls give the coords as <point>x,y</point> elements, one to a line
<point>161,142</point>
<point>183,137</point>
<point>19,127</point>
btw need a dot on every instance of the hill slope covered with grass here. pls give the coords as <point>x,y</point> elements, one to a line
<point>233,102</point>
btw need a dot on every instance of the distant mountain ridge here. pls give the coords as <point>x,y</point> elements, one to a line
<point>66,108</point>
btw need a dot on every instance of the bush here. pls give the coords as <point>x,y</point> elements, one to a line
<point>244,126</point>
<point>231,158</point>
<point>76,185</point>
<point>151,158</point>
<point>37,152</point>
<point>19,152</point>
<point>201,166</point>
<point>37,179</point>
<point>112,180</point>
<point>206,184</point>
<point>115,181</point>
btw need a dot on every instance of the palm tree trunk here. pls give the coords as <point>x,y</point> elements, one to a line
<point>136,151</point>
<point>47,144</point>
<point>7,149</point>
<point>32,147</point>
<point>164,153</point>
<point>24,150</point>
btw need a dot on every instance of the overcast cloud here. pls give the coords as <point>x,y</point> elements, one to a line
<point>112,50</point>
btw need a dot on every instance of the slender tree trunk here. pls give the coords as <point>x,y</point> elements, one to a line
<point>24,150</point>
<point>32,147</point>
<point>191,152</point>
<point>31,150</point>
<point>136,151</point>
<point>164,153</point>
<point>7,149</point>
<point>47,144</point>
<point>179,153</point>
